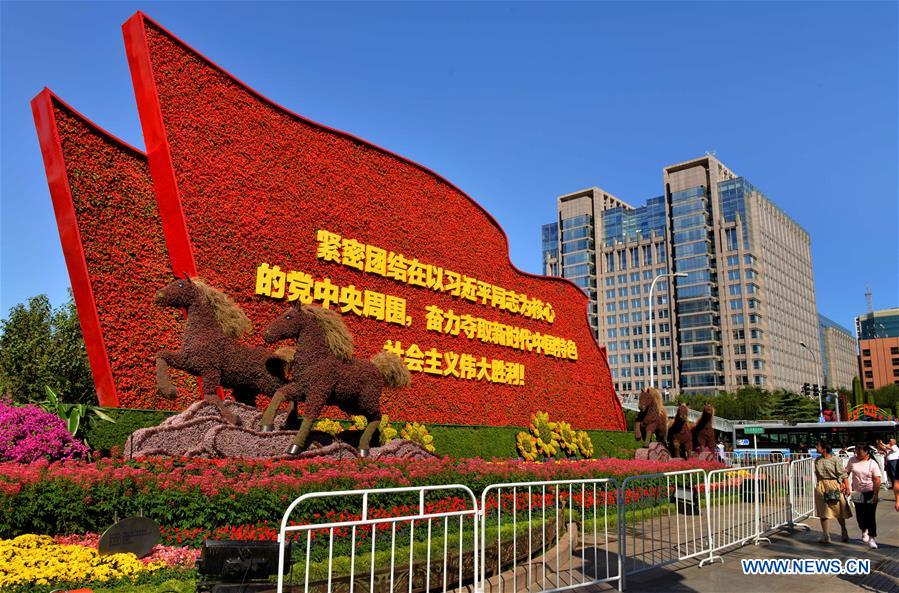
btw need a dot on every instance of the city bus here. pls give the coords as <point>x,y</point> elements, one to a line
<point>788,439</point>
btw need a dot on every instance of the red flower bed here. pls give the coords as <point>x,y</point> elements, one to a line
<point>194,498</point>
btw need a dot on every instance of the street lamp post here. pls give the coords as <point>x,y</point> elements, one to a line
<point>652,306</point>
<point>818,378</point>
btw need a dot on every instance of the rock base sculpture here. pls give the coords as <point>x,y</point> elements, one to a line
<point>656,451</point>
<point>201,431</point>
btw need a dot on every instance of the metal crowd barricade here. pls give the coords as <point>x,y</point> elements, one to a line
<point>536,536</point>
<point>730,508</point>
<point>802,489</point>
<point>661,520</point>
<point>772,498</point>
<point>409,543</point>
<point>549,536</point>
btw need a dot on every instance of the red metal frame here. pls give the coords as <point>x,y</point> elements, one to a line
<point>162,171</point>
<point>70,236</point>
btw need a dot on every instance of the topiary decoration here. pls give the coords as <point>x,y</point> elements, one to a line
<point>567,438</point>
<point>418,433</point>
<point>324,371</point>
<point>527,446</point>
<point>545,433</point>
<point>584,444</point>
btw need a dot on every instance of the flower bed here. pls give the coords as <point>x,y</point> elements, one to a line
<point>205,495</point>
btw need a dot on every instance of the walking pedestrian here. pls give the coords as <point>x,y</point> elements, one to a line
<point>890,452</point>
<point>831,492</point>
<point>865,488</point>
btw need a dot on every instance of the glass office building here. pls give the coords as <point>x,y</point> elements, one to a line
<point>738,315</point>
<point>550,240</point>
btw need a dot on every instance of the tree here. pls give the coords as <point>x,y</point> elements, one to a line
<point>858,394</point>
<point>793,407</point>
<point>42,347</point>
<point>886,397</point>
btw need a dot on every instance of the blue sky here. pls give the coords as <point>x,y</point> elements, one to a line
<point>516,104</point>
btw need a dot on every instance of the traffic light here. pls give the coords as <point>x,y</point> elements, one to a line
<point>815,390</point>
<point>805,389</point>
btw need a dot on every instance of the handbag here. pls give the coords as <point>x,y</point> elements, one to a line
<point>856,497</point>
<point>832,496</point>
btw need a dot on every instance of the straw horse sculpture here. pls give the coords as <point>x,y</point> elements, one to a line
<point>680,437</point>
<point>704,429</point>
<point>324,372</point>
<point>210,349</point>
<point>652,419</point>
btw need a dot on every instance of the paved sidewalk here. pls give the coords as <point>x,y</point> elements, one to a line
<point>728,576</point>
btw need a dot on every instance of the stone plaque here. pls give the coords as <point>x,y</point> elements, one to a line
<point>137,535</point>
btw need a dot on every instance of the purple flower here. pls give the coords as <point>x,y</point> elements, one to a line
<point>28,434</point>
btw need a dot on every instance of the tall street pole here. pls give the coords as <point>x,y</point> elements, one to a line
<point>818,378</point>
<point>652,306</point>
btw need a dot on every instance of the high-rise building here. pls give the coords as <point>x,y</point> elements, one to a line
<point>550,239</point>
<point>745,303</point>
<point>613,251</point>
<point>878,345</point>
<point>839,361</point>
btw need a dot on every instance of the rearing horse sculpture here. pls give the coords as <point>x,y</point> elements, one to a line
<point>210,348</point>
<point>324,372</point>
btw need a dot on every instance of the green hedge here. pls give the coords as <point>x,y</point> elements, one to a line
<point>454,441</point>
<point>103,436</point>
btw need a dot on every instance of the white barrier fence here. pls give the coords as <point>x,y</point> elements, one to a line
<point>535,536</point>
<point>730,507</point>
<point>542,536</point>
<point>418,544</point>
<point>802,489</point>
<point>661,520</point>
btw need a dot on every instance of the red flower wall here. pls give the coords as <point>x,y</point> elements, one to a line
<point>255,182</point>
<point>124,254</point>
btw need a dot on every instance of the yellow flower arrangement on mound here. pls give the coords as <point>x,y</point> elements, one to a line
<point>546,440</point>
<point>331,427</point>
<point>546,434</point>
<point>38,560</point>
<point>527,446</point>
<point>418,433</point>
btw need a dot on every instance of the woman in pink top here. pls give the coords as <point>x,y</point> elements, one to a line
<point>865,486</point>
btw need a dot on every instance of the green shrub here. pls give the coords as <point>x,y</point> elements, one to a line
<point>105,435</point>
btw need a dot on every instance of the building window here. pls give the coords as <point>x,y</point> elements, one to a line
<point>867,364</point>
<point>740,365</point>
<point>869,385</point>
<point>894,350</point>
<point>869,375</point>
<point>866,353</point>
<point>739,349</point>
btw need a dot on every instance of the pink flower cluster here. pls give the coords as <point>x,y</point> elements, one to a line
<point>29,434</point>
<point>171,556</point>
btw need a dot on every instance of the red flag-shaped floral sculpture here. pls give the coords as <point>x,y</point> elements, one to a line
<point>112,241</point>
<point>271,207</point>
